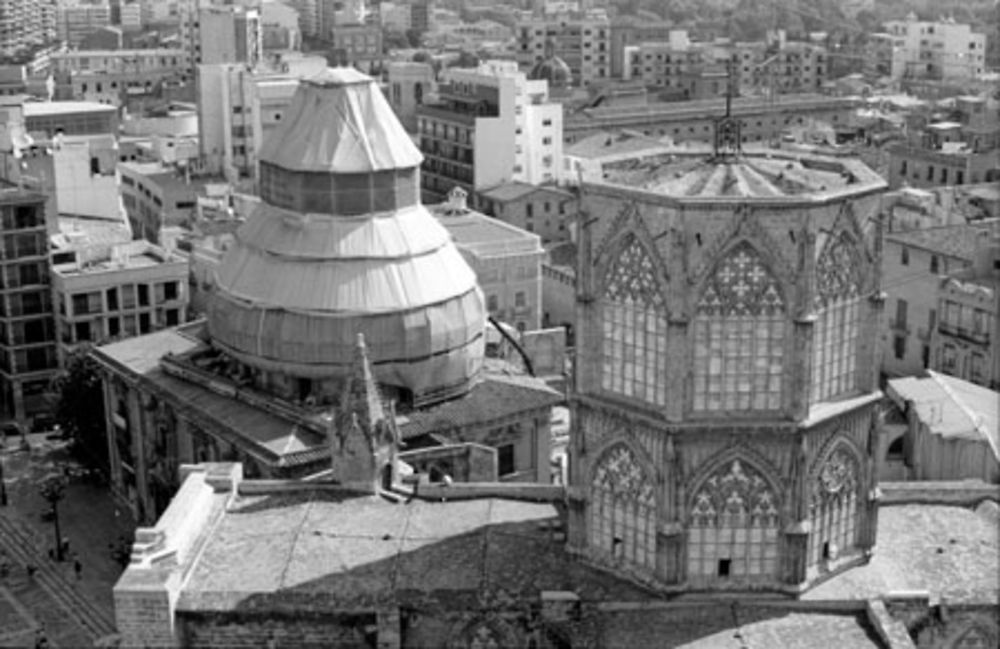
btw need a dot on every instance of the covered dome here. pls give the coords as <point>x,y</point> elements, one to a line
<point>341,245</point>
<point>554,70</point>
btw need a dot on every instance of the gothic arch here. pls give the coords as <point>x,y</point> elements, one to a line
<point>733,519</point>
<point>632,315</point>
<point>622,507</point>
<point>727,255</point>
<point>629,234</point>
<point>840,270</point>
<point>744,228</point>
<point>626,439</point>
<point>836,483</point>
<point>486,632</point>
<point>723,460</point>
<point>838,439</point>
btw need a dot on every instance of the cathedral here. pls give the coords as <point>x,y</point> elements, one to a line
<point>725,408</point>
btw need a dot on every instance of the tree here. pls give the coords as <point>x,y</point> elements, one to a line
<point>53,489</point>
<point>80,408</point>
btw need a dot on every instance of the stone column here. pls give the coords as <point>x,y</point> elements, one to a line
<point>799,380</point>
<point>678,368</point>
<point>670,547</point>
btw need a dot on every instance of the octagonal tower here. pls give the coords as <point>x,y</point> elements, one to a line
<point>724,406</point>
<point>341,245</point>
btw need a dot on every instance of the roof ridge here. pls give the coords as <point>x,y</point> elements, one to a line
<point>976,419</point>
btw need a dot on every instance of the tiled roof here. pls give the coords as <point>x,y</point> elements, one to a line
<point>959,241</point>
<point>313,549</point>
<point>764,174</point>
<point>495,397</point>
<point>952,552</point>
<point>953,408</point>
<point>514,190</point>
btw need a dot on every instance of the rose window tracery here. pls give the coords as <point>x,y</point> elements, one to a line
<point>833,506</point>
<point>739,337</point>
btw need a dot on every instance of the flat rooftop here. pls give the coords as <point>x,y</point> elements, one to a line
<point>46,108</point>
<point>485,235</point>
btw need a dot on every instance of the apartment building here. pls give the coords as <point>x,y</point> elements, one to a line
<point>25,24</point>
<point>762,120</point>
<point>75,20</point>
<point>111,76</point>
<point>966,342</point>
<point>490,125</point>
<point>779,67</point>
<point>506,259</point>
<point>580,38</point>
<point>626,31</point>
<point>545,210</point>
<point>686,69</point>
<point>942,50</point>
<point>156,195</point>
<point>912,266</point>
<point>357,45</point>
<point>407,85</point>
<point>28,358</point>
<point>964,149</point>
<point>236,108</point>
<point>104,293</point>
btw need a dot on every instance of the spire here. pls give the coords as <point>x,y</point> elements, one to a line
<point>363,435</point>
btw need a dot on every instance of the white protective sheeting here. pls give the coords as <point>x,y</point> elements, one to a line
<point>340,122</point>
<point>408,232</point>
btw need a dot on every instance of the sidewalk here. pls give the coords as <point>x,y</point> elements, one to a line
<point>87,517</point>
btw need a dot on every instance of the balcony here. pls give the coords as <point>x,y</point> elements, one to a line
<point>965,333</point>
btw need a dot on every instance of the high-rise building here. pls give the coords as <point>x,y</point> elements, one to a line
<point>490,125</point>
<point>28,358</point>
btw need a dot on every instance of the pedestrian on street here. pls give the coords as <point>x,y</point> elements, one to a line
<point>77,568</point>
<point>31,569</point>
<point>41,640</point>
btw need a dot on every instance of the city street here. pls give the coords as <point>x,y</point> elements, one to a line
<point>71,609</point>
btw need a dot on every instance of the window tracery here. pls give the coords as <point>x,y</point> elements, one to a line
<point>833,506</point>
<point>733,525</point>
<point>739,332</point>
<point>838,310</point>
<point>623,508</point>
<point>634,326</point>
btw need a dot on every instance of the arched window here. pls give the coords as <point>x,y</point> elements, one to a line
<point>739,330</point>
<point>634,336</point>
<point>838,309</point>
<point>733,526</point>
<point>623,509</point>
<point>833,507</point>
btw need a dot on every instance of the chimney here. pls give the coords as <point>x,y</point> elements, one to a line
<point>458,201</point>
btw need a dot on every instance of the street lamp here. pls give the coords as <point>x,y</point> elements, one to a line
<point>53,489</point>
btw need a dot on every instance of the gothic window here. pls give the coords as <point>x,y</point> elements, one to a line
<point>974,638</point>
<point>733,526</point>
<point>634,337</point>
<point>838,310</point>
<point>833,507</point>
<point>623,509</point>
<point>739,330</point>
